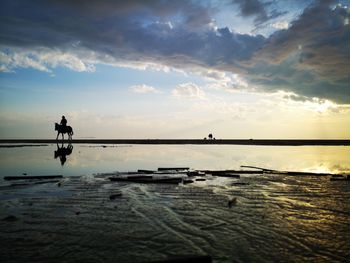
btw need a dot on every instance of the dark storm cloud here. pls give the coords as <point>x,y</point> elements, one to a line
<point>258,10</point>
<point>126,30</point>
<point>54,22</point>
<point>252,8</point>
<point>311,58</point>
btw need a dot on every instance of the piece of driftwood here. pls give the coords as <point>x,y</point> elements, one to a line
<point>200,179</point>
<point>145,171</point>
<point>340,178</point>
<point>223,173</point>
<point>173,168</point>
<point>239,183</point>
<point>213,226</point>
<point>186,259</point>
<point>212,172</point>
<point>132,172</point>
<point>305,173</point>
<point>10,218</point>
<point>231,175</point>
<point>259,168</point>
<point>337,175</point>
<point>148,180</point>
<point>195,173</point>
<point>114,196</point>
<point>32,177</point>
<point>141,176</point>
<point>232,201</point>
<point>264,170</point>
<point>47,182</point>
<point>187,181</point>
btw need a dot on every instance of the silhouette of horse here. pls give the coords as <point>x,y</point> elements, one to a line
<point>63,129</point>
<point>62,152</point>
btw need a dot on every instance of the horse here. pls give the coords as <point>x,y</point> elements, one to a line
<point>63,129</point>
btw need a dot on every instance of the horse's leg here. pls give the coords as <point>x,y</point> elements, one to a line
<point>57,135</point>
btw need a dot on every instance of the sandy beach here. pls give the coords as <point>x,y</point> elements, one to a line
<point>252,218</point>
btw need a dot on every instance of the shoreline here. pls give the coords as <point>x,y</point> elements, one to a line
<point>264,142</point>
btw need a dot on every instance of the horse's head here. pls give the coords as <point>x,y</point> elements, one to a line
<point>56,126</point>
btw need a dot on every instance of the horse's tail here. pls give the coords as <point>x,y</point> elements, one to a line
<point>72,132</point>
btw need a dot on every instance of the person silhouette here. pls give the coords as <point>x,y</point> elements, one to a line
<point>64,121</point>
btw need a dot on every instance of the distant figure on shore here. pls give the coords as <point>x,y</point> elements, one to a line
<point>63,128</point>
<point>62,152</point>
<point>210,137</point>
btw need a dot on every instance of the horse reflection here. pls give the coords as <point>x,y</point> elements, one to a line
<point>62,152</point>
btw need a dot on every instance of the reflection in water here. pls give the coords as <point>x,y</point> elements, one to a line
<point>90,160</point>
<point>62,152</point>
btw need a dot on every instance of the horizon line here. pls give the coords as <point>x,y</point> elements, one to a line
<point>272,142</point>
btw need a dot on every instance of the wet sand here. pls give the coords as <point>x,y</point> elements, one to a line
<point>186,141</point>
<point>255,218</point>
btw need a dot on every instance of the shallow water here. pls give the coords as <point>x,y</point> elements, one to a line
<point>275,217</point>
<point>89,159</point>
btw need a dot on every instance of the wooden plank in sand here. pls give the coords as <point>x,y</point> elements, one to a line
<point>173,168</point>
<point>148,180</point>
<point>186,259</point>
<point>219,172</point>
<point>145,171</point>
<point>264,170</point>
<point>32,177</point>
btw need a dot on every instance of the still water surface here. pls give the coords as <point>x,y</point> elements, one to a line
<point>89,159</point>
<point>275,218</point>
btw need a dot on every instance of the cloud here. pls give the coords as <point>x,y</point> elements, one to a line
<point>143,89</point>
<point>310,58</point>
<point>260,10</point>
<point>280,25</point>
<point>252,8</point>
<point>132,31</point>
<point>42,59</point>
<point>188,90</point>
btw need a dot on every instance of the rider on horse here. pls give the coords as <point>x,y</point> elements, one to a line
<point>63,128</point>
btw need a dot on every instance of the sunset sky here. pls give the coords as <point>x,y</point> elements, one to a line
<point>175,69</point>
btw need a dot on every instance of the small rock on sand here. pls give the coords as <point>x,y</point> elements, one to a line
<point>232,202</point>
<point>10,218</point>
<point>200,179</point>
<point>114,196</point>
<point>187,181</point>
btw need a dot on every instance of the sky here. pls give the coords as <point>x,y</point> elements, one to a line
<point>260,69</point>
